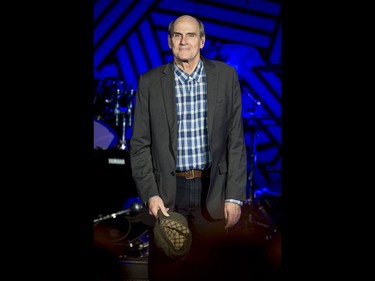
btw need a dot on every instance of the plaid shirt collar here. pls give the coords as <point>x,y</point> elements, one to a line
<point>183,76</point>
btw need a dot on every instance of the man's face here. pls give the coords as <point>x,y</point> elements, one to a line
<point>185,40</point>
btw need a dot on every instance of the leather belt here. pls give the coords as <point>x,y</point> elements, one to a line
<point>193,174</point>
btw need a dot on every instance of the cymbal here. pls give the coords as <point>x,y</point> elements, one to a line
<point>238,55</point>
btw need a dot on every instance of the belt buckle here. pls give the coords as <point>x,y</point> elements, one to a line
<point>189,175</point>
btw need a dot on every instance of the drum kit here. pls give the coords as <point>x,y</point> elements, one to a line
<point>113,111</point>
<point>122,233</point>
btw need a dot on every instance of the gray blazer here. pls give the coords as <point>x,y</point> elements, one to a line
<point>153,146</point>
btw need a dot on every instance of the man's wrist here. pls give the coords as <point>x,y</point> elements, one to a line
<point>239,202</point>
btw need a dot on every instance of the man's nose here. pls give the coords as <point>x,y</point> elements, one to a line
<point>184,39</point>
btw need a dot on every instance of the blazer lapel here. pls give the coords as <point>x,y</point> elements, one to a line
<point>167,83</point>
<point>212,88</point>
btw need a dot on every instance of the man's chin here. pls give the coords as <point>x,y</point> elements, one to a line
<point>186,59</point>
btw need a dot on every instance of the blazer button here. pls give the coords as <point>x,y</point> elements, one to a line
<point>173,173</point>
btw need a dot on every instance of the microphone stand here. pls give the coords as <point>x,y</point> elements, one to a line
<point>252,159</point>
<point>256,213</point>
<point>126,116</point>
<point>134,208</point>
<point>113,215</point>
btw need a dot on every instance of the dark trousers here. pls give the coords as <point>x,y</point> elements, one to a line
<point>206,232</point>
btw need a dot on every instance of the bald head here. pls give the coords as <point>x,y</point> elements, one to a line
<point>187,18</point>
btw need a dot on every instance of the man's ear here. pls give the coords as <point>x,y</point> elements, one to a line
<point>202,42</point>
<point>169,42</point>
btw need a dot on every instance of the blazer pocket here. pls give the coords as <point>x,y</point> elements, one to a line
<point>223,167</point>
<point>221,99</point>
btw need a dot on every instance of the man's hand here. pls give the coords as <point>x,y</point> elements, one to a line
<point>155,203</point>
<point>232,214</point>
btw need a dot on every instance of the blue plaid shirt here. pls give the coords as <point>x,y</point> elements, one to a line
<point>191,91</point>
<point>192,148</point>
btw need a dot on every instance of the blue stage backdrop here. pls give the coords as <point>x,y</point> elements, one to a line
<point>130,37</point>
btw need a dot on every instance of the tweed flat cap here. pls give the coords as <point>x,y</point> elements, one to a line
<point>172,235</point>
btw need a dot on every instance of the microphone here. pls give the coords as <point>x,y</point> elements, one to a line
<point>134,208</point>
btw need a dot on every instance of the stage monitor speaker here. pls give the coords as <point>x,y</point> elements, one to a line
<point>112,182</point>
